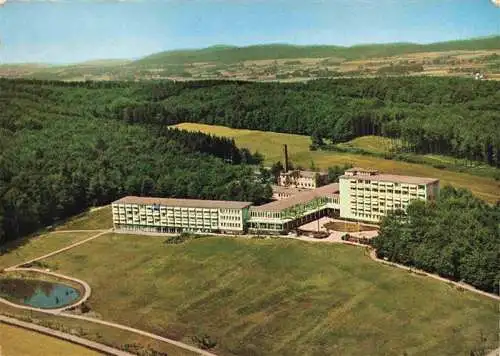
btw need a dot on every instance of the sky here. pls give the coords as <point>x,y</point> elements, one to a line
<point>69,31</point>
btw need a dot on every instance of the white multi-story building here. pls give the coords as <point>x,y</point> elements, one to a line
<point>362,194</point>
<point>368,195</point>
<point>179,215</point>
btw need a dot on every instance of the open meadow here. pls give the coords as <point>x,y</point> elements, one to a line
<point>277,296</point>
<point>30,247</point>
<point>16,341</point>
<point>270,144</point>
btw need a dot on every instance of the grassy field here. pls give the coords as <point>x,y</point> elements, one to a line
<point>94,219</point>
<point>17,341</point>
<point>119,339</point>
<point>374,144</point>
<point>277,297</point>
<point>30,247</point>
<point>271,145</point>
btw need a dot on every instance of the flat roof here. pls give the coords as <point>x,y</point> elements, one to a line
<point>300,198</point>
<point>393,178</point>
<point>184,203</point>
<point>290,190</point>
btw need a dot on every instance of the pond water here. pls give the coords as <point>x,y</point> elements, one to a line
<point>39,294</point>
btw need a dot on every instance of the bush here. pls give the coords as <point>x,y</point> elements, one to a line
<point>181,238</point>
<point>205,342</point>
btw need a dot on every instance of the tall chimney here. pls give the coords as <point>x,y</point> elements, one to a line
<point>285,147</point>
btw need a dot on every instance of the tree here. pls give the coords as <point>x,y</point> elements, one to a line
<point>276,170</point>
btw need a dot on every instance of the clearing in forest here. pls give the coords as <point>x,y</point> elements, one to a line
<point>270,144</point>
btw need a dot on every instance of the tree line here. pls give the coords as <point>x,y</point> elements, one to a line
<point>451,116</point>
<point>57,158</point>
<point>457,236</point>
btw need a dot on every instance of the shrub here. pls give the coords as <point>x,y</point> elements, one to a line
<point>205,342</point>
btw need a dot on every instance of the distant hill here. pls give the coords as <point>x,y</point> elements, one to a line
<point>231,54</point>
<point>284,62</point>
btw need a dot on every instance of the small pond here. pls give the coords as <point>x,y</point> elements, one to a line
<point>38,294</point>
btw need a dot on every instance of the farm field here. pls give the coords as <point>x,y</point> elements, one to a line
<point>17,341</point>
<point>277,296</point>
<point>270,144</point>
<point>27,248</point>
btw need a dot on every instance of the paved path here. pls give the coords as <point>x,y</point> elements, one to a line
<point>64,336</point>
<point>81,300</point>
<point>374,257</point>
<point>140,332</point>
<point>87,293</point>
<point>102,232</point>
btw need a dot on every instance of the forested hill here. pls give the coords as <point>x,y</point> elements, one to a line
<point>60,153</point>
<point>232,54</point>
<point>66,146</point>
<point>456,117</point>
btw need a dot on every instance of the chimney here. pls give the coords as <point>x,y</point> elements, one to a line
<point>285,147</point>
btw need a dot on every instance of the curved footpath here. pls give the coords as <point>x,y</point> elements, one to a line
<point>64,336</point>
<point>374,257</point>
<point>61,311</point>
<point>87,293</point>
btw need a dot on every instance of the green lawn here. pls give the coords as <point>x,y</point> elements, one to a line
<point>271,145</point>
<point>27,248</point>
<point>277,297</point>
<point>94,219</point>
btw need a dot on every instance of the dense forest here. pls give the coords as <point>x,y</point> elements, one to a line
<point>57,158</point>
<point>458,237</point>
<point>456,117</point>
<point>65,146</point>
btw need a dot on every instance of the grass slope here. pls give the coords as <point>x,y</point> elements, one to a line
<point>18,341</point>
<point>271,145</point>
<point>27,248</point>
<point>277,297</point>
<point>229,54</point>
<point>94,219</point>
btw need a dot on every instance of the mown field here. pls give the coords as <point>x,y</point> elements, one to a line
<point>17,341</point>
<point>27,248</point>
<point>95,219</point>
<point>277,297</point>
<point>271,145</point>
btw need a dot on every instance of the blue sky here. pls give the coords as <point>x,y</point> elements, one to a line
<point>66,31</point>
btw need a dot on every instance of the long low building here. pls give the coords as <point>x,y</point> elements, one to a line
<point>144,214</point>
<point>361,194</point>
<point>287,214</point>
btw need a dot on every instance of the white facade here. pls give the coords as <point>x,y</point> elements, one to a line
<point>157,217</point>
<point>369,196</point>
<point>301,179</point>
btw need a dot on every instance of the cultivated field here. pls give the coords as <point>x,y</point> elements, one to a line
<point>17,341</point>
<point>277,297</point>
<point>271,145</point>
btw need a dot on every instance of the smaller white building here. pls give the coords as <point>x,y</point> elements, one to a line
<point>302,179</point>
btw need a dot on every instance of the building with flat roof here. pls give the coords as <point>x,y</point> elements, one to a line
<point>367,195</point>
<point>284,215</point>
<point>302,179</point>
<point>145,214</point>
<point>361,194</point>
<point>280,192</point>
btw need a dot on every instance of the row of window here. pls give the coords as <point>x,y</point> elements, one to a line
<point>230,225</point>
